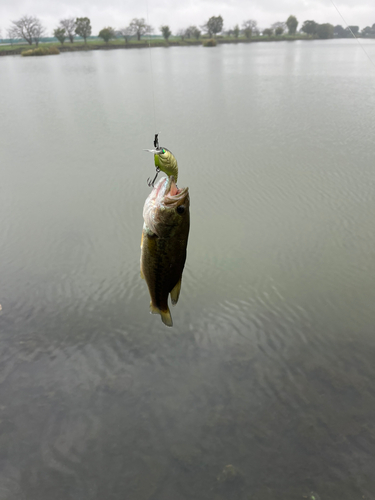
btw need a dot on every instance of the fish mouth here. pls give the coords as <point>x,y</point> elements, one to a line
<point>167,193</point>
<point>172,194</point>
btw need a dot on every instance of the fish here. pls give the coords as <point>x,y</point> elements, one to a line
<point>165,233</point>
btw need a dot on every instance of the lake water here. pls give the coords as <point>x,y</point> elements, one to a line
<point>270,365</point>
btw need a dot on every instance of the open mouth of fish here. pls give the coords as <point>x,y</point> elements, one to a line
<point>167,192</point>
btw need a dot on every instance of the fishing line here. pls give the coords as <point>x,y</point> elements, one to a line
<point>359,43</point>
<point>152,74</point>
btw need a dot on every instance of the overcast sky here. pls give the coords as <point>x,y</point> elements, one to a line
<point>182,13</point>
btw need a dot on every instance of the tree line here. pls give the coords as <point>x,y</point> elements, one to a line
<point>31,30</point>
<point>329,31</point>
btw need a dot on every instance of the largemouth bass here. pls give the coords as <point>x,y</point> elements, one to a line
<point>163,246</point>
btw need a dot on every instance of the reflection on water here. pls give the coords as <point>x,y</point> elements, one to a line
<point>264,387</point>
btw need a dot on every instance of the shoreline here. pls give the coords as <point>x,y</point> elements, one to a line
<point>92,45</point>
<point>79,47</point>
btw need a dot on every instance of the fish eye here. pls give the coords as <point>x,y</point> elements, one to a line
<point>180,209</point>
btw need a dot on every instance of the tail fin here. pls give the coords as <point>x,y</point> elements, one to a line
<point>165,315</point>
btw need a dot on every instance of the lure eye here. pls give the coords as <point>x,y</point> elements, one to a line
<point>163,151</point>
<point>180,209</point>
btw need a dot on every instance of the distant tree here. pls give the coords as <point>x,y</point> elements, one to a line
<point>309,27</point>
<point>29,28</point>
<point>23,28</point>
<point>60,34</point>
<point>278,28</point>
<point>70,27</point>
<point>182,34</point>
<point>166,32</point>
<point>107,34</point>
<point>139,27</point>
<point>248,27</point>
<point>189,32</point>
<point>352,30</point>
<point>196,32</point>
<point>368,32</point>
<point>236,31</point>
<point>39,32</point>
<point>292,24</point>
<point>364,32</point>
<point>268,32</point>
<point>83,27</point>
<point>126,33</point>
<point>339,31</point>
<point>213,26</point>
<point>12,35</point>
<point>325,30</point>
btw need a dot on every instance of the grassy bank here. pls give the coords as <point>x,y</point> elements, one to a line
<point>98,44</point>
<point>41,51</point>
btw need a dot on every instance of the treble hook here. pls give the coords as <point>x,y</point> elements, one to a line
<point>151,183</point>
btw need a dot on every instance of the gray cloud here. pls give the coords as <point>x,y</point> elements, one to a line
<point>179,14</point>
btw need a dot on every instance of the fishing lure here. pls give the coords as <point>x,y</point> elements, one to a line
<point>164,160</point>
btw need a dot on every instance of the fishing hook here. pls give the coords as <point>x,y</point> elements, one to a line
<point>157,150</point>
<point>151,183</point>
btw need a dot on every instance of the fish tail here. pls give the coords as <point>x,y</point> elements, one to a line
<point>165,315</point>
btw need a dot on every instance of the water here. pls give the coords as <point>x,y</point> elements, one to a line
<point>269,368</point>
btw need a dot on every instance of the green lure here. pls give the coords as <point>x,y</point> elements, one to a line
<point>164,160</point>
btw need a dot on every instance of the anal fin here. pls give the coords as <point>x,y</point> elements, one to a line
<point>175,293</point>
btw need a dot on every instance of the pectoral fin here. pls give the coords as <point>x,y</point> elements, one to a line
<point>175,293</point>
<point>165,315</point>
